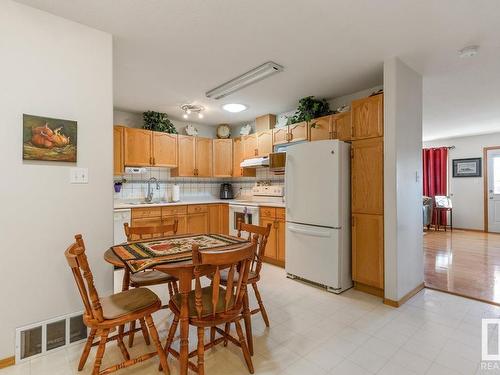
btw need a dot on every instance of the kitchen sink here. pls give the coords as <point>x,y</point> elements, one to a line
<point>144,202</point>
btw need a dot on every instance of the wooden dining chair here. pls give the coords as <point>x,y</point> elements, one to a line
<point>104,314</point>
<point>148,277</point>
<point>215,305</point>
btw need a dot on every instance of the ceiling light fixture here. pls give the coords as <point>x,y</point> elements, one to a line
<point>234,107</point>
<point>192,108</point>
<point>469,51</point>
<point>244,80</point>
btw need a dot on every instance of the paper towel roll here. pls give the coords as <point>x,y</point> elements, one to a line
<point>176,193</point>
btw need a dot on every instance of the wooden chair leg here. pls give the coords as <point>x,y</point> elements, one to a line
<point>159,348</point>
<point>171,334</point>
<point>121,345</point>
<point>261,304</point>
<point>145,332</point>
<point>86,349</point>
<point>247,317</point>
<point>244,347</point>
<point>100,352</point>
<point>170,290</point>
<point>226,329</point>
<point>131,335</point>
<point>201,351</point>
<point>212,334</point>
<point>176,288</point>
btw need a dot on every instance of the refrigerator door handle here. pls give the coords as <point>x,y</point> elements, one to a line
<point>309,232</point>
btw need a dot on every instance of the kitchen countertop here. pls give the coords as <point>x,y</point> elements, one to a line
<point>119,204</point>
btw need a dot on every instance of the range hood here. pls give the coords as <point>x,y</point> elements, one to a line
<point>255,163</point>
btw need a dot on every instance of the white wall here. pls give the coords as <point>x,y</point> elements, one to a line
<point>56,68</point>
<point>467,193</point>
<point>402,189</point>
<point>134,120</point>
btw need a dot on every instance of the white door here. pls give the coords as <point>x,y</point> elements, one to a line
<point>494,190</point>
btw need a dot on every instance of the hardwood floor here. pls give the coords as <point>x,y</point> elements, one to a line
<point>463,262</point>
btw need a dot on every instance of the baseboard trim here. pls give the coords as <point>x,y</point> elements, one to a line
<point>462,295</point>
<point>471,230</point>
<point>405,298</point>
<point>6,362</point>
<point>369,289</point>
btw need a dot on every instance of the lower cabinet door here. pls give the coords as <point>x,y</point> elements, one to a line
<point>214,219</point>
<point>224,218</point>
<point>368,249</point>
<point>271,250</point>
<point>146,222</point>
<point>280,240</point>
<point>197,223</point>
<point>181,222</point>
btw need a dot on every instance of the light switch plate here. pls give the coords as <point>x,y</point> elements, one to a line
<point>79,176</point>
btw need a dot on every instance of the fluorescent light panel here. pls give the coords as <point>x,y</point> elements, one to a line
<point>244,80</point>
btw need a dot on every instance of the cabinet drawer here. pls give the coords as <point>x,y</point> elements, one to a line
<point>138,213</point>
<point>173,210</point>
<point>267,212</point>
<point>280,213</point>
<point>197,208</point>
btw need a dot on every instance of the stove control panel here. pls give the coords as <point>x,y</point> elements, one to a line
<point>268,190</point>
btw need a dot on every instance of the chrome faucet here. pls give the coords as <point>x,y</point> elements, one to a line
<point>149,197</point>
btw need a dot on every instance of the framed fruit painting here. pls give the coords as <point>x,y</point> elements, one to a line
<point>49,139</point>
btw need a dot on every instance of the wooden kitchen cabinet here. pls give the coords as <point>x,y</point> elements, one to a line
<point>321,128</point>
<point>275,247</point>
<point>280,135</point>
<point>197,223</point>
<point>144,148</point>
<point>367,117</point>
<point>368,250</point>
<point>218,218</point>
<point>222,157</point>
<point>265,122</point>
<point>181,222</point>
<point>118,162</point>
<point>203,157</point>
<point>164,149</point>
<point>367,165</point>
<point>194,157</point>
<point>250,146</point>
<point>264,142</point>
<point>298,132</point>
<point>137,147</point>
<point>341,125</point>
<point>238,157</point>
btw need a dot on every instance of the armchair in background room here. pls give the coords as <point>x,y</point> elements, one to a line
<point>427,210</point>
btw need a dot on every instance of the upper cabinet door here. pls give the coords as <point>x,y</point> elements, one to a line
<point>367,194</point>
<point>320,128</point>
<point>238,158</point>
<point>298,132</point>
<point>264,143</point>
<point>137,147</point>
<point>280,135</point>
<point>165,149</point>
<point>341,124</point>
<point>368,117</point>
<point>186,156</point>
<point>223,157</point>
<point>203,157</point>
<point>249,146</point>
<point>117,150</point>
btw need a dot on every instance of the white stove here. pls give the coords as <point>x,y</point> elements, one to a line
<point>246,209</point>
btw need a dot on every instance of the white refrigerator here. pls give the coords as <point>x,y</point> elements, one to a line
<point>318,236</point>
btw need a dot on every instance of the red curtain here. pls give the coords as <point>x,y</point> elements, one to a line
<point>435,170</point>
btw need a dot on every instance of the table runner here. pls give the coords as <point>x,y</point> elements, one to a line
<point>138,256</point>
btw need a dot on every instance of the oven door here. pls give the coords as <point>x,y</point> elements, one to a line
<point>245,214</point>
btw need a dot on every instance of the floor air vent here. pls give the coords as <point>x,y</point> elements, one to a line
<point>38,338</point>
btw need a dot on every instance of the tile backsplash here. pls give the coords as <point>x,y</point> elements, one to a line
<point>136,186</point>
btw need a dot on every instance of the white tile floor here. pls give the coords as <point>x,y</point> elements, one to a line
<point>315,332</point>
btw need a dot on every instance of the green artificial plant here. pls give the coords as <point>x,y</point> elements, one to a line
<point>158,122</point>
<point>308,109</point>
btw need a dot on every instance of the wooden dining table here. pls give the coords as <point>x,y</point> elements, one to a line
<point>184,272</point>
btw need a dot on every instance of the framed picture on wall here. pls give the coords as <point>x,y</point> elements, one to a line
<point>467,167</point>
